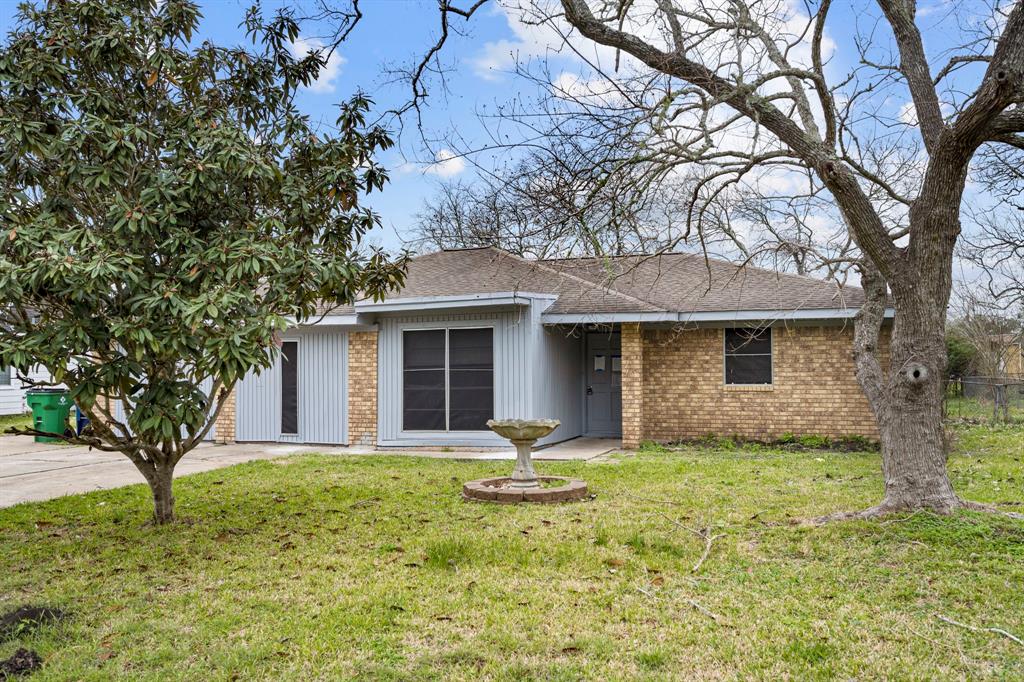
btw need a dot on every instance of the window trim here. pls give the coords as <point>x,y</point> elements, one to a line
<point>298,391</point>
<point>770,354</point>
<point>447,384</point>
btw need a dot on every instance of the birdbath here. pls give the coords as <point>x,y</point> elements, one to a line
<point>523,433</point>
<point>524,485</point>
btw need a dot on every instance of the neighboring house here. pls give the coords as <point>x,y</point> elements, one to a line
<point>662,348</point>
<point>12,393</point>
<point>1011,363</point>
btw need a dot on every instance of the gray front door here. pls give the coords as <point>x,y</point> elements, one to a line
<point>604,384</point>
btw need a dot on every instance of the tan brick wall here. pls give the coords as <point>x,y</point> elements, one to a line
<point>632,385</point>
<point>815,390</point>
<point>362,388</point>
<point>224,427</point>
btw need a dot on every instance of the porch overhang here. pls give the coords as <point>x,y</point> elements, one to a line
<point>348,321</point>
<point>716,316</point>
<point>421,303</point>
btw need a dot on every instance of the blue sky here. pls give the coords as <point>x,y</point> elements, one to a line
<point>394,33</point>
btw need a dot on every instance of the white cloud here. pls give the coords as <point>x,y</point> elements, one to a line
<point>329,72</point>
<point>533,35</point>
<point>447,164</point>
<point>496,57</point>
<point>908,114</point>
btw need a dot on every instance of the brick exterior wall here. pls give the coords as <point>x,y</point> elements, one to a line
<point>684,394</point>
<point>362,388</point>
<point>224,427</point>
<point>632,385</point>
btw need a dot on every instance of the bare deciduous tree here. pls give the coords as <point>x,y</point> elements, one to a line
<point>744,87</point>
<point>733,97</point>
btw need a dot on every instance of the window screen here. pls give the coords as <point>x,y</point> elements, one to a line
<point>290,387</point>
<point>5,376</point>
<point>748,356</point>
<point>423,392</point>
<point>470,379</point>
<point>448,379</point>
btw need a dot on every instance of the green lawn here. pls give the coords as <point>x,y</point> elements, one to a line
<point>373,568</point>
<point>19,420</point>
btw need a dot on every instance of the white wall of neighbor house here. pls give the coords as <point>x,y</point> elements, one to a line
<point>12,393</point>
<point>322,392</point>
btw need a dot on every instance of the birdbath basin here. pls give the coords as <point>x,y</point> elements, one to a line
<point>523,433</point>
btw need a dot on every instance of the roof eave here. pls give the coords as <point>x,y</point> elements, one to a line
<point>706,316</point>
<point>417,303</point>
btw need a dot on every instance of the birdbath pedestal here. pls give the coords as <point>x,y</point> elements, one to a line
<point>523,433</point>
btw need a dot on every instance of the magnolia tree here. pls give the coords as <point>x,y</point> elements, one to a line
<point>165,210</point>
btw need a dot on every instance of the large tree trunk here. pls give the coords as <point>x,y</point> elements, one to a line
<point>906,397</point>
<point>910,423</point>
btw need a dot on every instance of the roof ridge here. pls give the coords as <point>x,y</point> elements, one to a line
<point>713,259</point>
<point>582,280</point>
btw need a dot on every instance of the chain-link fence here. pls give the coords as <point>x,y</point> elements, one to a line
<point>985,399</point>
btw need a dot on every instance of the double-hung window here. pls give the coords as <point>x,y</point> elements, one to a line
<point>748,356</point>
<point>448,379</point>
<point>5,376</point>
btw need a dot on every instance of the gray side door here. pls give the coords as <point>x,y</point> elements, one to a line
<point>604,384</point>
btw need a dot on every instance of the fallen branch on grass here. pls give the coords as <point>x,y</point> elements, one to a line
<point>720,620</point>
<point>708,539</point>
<point>974,628</point>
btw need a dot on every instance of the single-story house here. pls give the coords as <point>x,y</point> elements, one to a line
<point>661,348</point>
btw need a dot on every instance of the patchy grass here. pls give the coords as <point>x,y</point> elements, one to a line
<point>15,420</point>
<point>372,568</point>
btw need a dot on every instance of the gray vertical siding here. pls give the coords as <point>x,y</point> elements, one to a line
<point>258,405</point>
<point>558,365</point>
<point>322,387</point>
<point>513,374</point>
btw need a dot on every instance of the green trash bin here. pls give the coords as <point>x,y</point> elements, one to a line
<point>50,410</point>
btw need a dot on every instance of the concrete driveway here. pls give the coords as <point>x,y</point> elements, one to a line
<point>31,471</point>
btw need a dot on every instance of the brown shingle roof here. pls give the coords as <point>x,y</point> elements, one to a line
<point>673,282</point>
<point>489,270</point>
<point>683,282</point>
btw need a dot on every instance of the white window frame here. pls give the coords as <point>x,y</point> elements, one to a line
<point>447,384</point>
<point>770,354</point>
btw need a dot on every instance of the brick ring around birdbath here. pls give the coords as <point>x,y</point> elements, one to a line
<point>524,485</point>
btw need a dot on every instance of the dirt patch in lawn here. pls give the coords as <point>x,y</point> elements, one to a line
<point>23,662</point>
<point>25,619</point>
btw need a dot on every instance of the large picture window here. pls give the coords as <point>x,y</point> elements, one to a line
<point>448,379</point>
<point>748,356</point>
